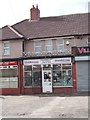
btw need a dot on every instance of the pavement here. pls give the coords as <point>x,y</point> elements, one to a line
<point>44,106</point>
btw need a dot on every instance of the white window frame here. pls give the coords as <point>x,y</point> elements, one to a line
<point>6,48</point>
<point>88,42</point>
<point>48,46</point>
<point>37,46</point>
<point>58,45</point>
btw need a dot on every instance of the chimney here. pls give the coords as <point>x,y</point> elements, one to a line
<point>34,13</point>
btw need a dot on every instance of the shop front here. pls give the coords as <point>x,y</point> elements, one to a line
<point>9,77</point>
<point>82,59</point>
<point>49,75</point>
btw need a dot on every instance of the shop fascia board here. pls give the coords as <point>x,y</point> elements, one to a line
<point>82,58</point>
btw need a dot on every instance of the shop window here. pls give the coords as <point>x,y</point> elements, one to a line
<point>27,76</point>
<point>37,75</point>
<point>6,48</point>
<point>48,46</point>
<point>8,77</point>
<point>37,46</point>
<point>62,75</point>
<point>60,45</point>
<point>32,75</point>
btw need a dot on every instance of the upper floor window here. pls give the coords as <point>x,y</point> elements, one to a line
<point>88,41</point>
<point>48,45</point>
<point>60,45</point>
<point>6,48</point>
<point>37,46</point>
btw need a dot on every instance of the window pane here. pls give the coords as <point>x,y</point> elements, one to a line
<point>60,45</point>
<point>48,42</point>
<point>48,48</point>
<point>27,78</point>
<point>59,42</point>
<point>6,48</point>
<point>37,46</point>
<point>37,75</point>
<point>38,49</point>
<point>60,48</point>
<point>27,75</point>
<point>37,43</point>
<point>48,45</point>
<point>57,78</point>
<point>9,78</point>
<point>27,68</point>
<point>6,51</point>
<point>6,44</point>
<point>88,41</point>
<point>67,74</point>
<point>62,75</point>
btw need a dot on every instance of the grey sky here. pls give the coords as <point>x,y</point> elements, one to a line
<point>13,11</point>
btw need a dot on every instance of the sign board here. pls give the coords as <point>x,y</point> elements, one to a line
<point>8,63</point>
<point>32,62</point>
<point>47,61</point>
<point>61,60</point>
<point>82,50</point>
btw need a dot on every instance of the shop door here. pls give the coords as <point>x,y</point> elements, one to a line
<point>46,81</point>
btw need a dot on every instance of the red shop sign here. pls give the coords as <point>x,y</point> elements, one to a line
<point>8,63</point>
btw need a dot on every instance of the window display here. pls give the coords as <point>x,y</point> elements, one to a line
<point>62,75</point>
<point>32,75</point>
<point>8,77</point>
<point>27,75</point>
<point>37,75</point>
<point>35,71</point>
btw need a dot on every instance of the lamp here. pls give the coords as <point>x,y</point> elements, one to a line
<point>67,43</point>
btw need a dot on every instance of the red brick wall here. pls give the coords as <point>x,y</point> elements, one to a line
<point>34,13</point>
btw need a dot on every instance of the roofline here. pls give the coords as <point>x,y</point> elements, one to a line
<point>50,17</point>
<point>44,37</point>
<point>16,32</point>
<point>23,36</point>
<point>19,22</point>
<point>64,15</point>
<point>58,36</point>
<point>12,39</point>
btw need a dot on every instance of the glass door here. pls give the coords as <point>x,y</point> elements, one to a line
<point>46,81</point>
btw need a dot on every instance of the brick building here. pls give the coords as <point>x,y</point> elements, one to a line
<point>36,53</point>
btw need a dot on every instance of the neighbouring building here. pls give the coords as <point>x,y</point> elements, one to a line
<point>38,54</point>
<point>82,60</point>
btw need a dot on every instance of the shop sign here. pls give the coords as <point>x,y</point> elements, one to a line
<point>8,63</point>
<point>47,61</point>
<point>61,60</point>
<point>32,62</point>
<point>83,50</point>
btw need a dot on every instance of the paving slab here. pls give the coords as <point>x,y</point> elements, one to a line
<point>30,106</point>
